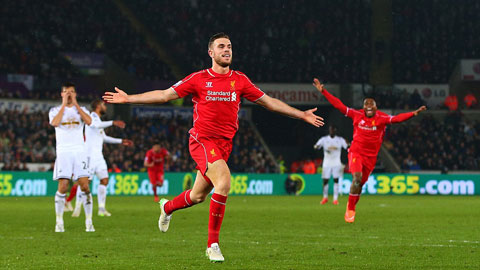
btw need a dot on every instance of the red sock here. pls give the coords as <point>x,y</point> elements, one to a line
<point>217,209</point>
<point>181,201</point>
<point>73,193</point>
<point>352,201</point>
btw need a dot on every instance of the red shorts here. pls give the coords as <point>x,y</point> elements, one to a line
<point>361,163</point>
<point>156,177</point>
<point>206,150</point>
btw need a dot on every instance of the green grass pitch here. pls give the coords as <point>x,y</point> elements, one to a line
<point>265,232</point>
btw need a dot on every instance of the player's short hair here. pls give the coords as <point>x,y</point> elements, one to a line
<point>67,85</point>
<point>215,37</point>
<point>333,126</point>
<point>368,97</point>
<point>95,103</point>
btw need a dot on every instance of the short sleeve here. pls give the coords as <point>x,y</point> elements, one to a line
<point>148,157</point>
<point>344,143</point>
<point>185,86</point>
<point>52,113</point>
<point>250,91</point>
<point>95,120</point>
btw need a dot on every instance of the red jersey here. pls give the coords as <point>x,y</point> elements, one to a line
<point>216,99</point>
<point>158,159</point>
<point>367,131</point>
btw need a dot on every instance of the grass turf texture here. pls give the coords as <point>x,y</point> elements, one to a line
<point>390,232</point>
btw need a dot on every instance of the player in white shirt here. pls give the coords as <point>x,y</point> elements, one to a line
<point>332,166</point>
<point>95,137</point>
<point>71,161</point>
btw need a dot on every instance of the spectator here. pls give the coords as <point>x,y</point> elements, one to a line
<point>426,35</point>
<point>415,100</point>
<point>470,100</point>
<point>451,102</point>
<point>281,164</point>
<point>429,144</point>
<point>309,167</point>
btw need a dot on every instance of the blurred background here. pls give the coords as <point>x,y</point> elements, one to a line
<point>404,53</point>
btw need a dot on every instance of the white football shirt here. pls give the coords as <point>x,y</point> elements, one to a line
<point>95,136</point>
<point>69,134</point>
<point>332,149</point>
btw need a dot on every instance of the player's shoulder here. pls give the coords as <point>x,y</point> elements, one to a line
<point>55,108</point>
<point>192,77</point>
<point>383,115</point>
<point>240,74</point>
<point>196,74</point>
<point>83,108</point>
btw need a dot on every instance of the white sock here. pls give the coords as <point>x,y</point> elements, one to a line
<point>102,196</point>
<point>335,191</point>
<point>78,198</point>
<point>325,191</point>
<point>88,206</point>
<point>59,206</point>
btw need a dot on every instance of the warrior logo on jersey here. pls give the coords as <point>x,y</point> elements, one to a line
<point>209,84</point>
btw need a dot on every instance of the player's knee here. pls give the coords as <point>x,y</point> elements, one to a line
<point>104,181</point>
<point>357,179</point>
<point>223,187</point>
<point>85,188</point>
<point>62,186</point>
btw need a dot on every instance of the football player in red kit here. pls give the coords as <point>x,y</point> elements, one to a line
<point>368,130</point>
<point>155,163</point>
<point>216,95</point>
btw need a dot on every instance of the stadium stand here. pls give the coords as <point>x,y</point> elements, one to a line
<point>425,44</point>
<point>287,41</point>
<point>63,26</point>
<point>28,138</point>
<point>451,143</point>
<point>275,41</point>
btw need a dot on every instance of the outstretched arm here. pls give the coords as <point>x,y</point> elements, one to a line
<point>155,96</point>
<point>331,98</point>
<point>405,116</point>
<point>318,145</point>
<point>98,123</point>
<point>278,106</point>
<point>108,139</point>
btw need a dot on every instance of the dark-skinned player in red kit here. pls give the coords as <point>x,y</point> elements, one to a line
<point>369,126</point>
